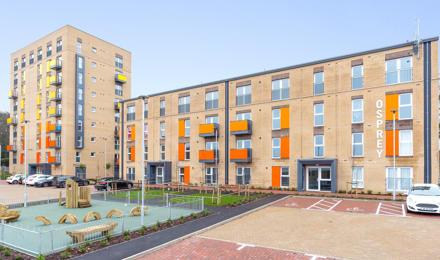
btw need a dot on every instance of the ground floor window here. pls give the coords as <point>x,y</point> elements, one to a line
<point>181,174</point>
<point>130,173</point>
<point>358,177</point>
<point>159,175</point>
<point>211,175</point>
<point>401,178</point>
<point>285,176</point>
<point>243,175</point>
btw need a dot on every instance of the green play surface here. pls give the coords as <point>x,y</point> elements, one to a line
<point>34,237</point>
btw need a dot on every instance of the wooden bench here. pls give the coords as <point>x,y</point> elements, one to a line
<point>79,235</point>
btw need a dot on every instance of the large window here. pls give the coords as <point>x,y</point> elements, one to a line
<point>130,173</point>
<point>244,116</point>
<point>285,177</point>
<point>131,113</point>
<point>405,143</point>
<point>318,83</point>
<point>184,105</point>
<point>211,146</point>
<point>276,148</point>
<point>118,62</point>
<point>211,175</point>
<point>243,95</point>
<point>357,77</point>
<point>211,101</point>
<point>59,45</point>
<point>146,153</point>
<point>276,119</point>
<point>319,145</point>
<point>118,90</point>
<point>243,175</point>
<point>358,177</point>
<point>244,144</point>
<point>162,129</point>
<point>400,180</point>
<point>398,70</point>
<point>129,153</point>
<point>162,108</point>
<point>211,120</point>
<point>357,111</point>
<point>357,144</point>
<point>280,89</point>
<point>318,112</point>
<point>405,106</point>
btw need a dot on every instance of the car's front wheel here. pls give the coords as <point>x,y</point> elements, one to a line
<point>45,184</point>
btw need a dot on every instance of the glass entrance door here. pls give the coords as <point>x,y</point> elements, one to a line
<point>159,175</point>
<point>319,179</point>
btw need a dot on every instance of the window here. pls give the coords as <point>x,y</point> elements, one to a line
<point>78,157</point>
<point>131,113</point>
<point>49,50</point>
<point>211,101</point>
<point>93,93</point>
<point>117,144</point>
<point>117,116</point>
<point>59,45</point>
<point>78,46</point>
<point>244,95</point>
<point>184,105</point>
<point>92,154</point>
<point>79,126</point>
<point>162,152</point>
<point>357,77</point>
<point>276,119</point>
<point>244,116</point>
<point>93,124</point>
<point>318,110</point>
<point>405,106</point>
<point>129,133</point>
<point>243,175</point>
<point>244,144</point>
<point>93,79</point>
<point>405,143</point>
<point>129,153</point>
<point>93,49</point>
<point>211,146</point>
<point>145,108</point>
<point>31,58</point>
<point>93,64</point>
<point>402,178</point>
<point>131,173</point>
<point>162,108</point>
<point>211,175</point>
<point>181,174</point>
<point>358,177</point>
<point>398,70</point>
<point>187,151</point>
<point>79,141</point>
<point>159,175</point>
<point>145,131</point>
<point>276,148</point>
<point>118,62</point>
<point>23,61</point>
<point>187,128</point>
<point>357,111</point>
<point>319,145</point>
<point>39,54</point>
<point>145,153</point>
<point>92,139</point>
<point>280,89</point>
<point>162,129</point>
<point>357,144</point>
<point>80,78</point>
<point>318,83</point>
<point>211,120</point>
<point>93,109</point>
<point>285,177</point>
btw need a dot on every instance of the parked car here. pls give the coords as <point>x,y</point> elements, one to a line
<point>15,179</point>
<point>28,178</point>
<point>111,182</point>
<point>44,182</point>
<point>424,198</point>
<point>61,181</point>
<point>36,178</point>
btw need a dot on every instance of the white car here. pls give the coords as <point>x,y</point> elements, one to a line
<point>14,179</point>
<point>424,198</point>
<point>32,179</point>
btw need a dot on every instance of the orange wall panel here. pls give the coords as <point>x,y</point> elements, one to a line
<point>181,128</point>
<point>391,103</point>
<point>276,176</point>
<point>133,133</point>
<point>389,143</point>
<point>22,158</point>
<point>181,151</point>
<point>285,117</point>
<point>285,147</point>
<point>186,176</point>
<point>38,157</point>
<point>133,153</point>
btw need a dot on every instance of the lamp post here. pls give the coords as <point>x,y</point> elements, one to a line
<point>143,163</point>
<point>25,163</point>
<point>394,153</point>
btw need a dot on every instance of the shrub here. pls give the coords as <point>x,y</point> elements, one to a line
<point>2,248</point>
<point>18,257</point>
<point>108,237</point>
<point>155,227</point>
<point>369,191</point>
<point>7,252</point>
<point>390,193</point>
<point>169,222</point>
<point>88,243</point>
<point>193,215</point>
<point>126,233</point>
<point>65,255</point>
<point>182,219</point>
<point>158,223</point>
<point>104,243</point>
<point>142,231</point>
<point>205,212</point>
<point>82,249</point>
<point>379,193</point>
<point>127,237</point>
<point>68,248</point>
<point>41,257</point>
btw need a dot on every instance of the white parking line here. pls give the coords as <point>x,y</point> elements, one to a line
<point>392,209</point>
<point>334,205</point>
<point>378,208</point>
<point>314,204</point>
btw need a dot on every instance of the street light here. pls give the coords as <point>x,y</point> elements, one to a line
<point>394,153</point>
<point>25,163</point>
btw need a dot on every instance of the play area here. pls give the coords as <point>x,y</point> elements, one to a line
<point>76,219</point>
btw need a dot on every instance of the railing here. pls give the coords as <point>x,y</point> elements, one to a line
<point>13,94</point>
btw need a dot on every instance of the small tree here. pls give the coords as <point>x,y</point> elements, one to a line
<point>108,166</point>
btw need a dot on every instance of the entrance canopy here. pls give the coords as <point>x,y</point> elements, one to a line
<point>303,164</point>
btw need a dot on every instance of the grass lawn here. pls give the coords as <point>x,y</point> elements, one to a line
<point>225,200</point>
<point>151,194</point>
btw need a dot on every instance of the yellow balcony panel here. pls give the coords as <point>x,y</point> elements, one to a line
<point>241,127</point>
<point>55,64</point>
<point>208,130</point>
<point>120,78</point>
<point>11,121</point>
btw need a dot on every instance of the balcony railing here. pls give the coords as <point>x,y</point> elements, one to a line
<point>12,94</point>
<point>11,148</point>
<point>56,64</point>
<point>241,155</point>
<point>208,156</point>
<point>120,78</point>
<point>57,144</point>
<point>11,121</point>
<point>55,80</point>
<point>55,96</point>
<point>242,127</point>
<point>117,106</point>
<point>54,112</point>
<point>208,130</point>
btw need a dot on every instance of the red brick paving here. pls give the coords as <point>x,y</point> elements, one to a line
<point>296,202</point>
<point>357,206</point>
<point>205,248</point>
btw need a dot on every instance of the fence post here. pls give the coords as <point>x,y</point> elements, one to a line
<point>48,198</point>
<point>128,197</point>
<point>105,195</point>
<point>3,230</point>
<point>166,196</point>
<point>203,203</point>
<point>51,238</point>
<point>39,241</point>
<point>138,198</point>
<point>123,223</point>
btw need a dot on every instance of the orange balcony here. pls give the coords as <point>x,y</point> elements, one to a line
<point>240,155</point>
<point>242,127</point>
<point>51,159</point>
<point>51,143</point>
<point>11,148</point>
<point>116,161</point>
<point>208,130</point>
<point>208,156</point>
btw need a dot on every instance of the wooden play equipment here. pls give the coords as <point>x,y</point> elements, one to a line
<point>76,196</point>
<point>72,219</point>
<point>45,220</point>
<point>92,215</point>
<point>112,212</point>
<point>136,211</point>
<point>8,215</point>
<point>79,235</point>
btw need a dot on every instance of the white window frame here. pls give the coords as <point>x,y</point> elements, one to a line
<point>243,175</point>
<point>403,142</point>
<point>244,144</point>
<point>315,114</point>
<point>244,116</point>
<point>209,146</point>
<point>187,128</point>
<point>211,97</point>
<point>181,174</point>
<point>399,180</point>
<point>406,105</point>
<point>145,131</point>
<point>241,94</point>
<point>315,145</point>
<point>162,129</point>
<point>353,77</point>
<point>355,178</point>
<point>162,152</point>
<point>315,82</point>
<point>187,151</point>
<point>213,172</point>
<point>276,147</point>
<point>398,69</point>
<point>357,110</point>
<point>284,176</point>
<point>211,120</point>
<point>280,89</point>
<point>353,144</point>
<point>276,119</point>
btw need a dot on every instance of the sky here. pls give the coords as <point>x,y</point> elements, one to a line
<point>176,44</point>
